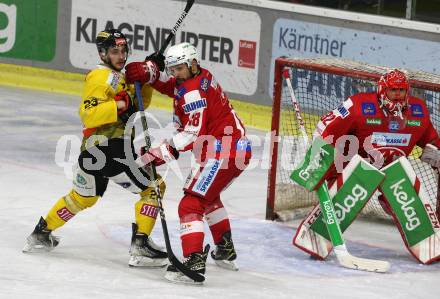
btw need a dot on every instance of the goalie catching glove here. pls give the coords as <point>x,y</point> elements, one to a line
<point>142,71</point>
<point>162,154</point>
<point>431,155</point>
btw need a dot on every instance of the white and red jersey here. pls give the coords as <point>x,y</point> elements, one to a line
<point>204,117</point>
<point>361,117</point>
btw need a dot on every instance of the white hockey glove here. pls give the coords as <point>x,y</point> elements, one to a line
<point>431,155</point>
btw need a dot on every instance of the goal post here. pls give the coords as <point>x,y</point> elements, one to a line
<point>320,86</point>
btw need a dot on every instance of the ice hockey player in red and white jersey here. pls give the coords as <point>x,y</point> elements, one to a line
<point>388,124</point>
<point>208,126</point>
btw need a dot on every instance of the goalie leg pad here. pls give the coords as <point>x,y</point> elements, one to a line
<point>412,211</point>
<point>349,194</point>
<point>308,240</point>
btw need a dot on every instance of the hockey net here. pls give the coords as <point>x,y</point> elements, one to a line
<point>321,85</point>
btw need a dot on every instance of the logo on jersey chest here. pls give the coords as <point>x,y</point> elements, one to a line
<point>393,125</point>
<point>373,121</point>
<point>416,110</point>
<point>368,109</point>
<point>187,108</point>
<point>386,139</point>
<point>413,123</point>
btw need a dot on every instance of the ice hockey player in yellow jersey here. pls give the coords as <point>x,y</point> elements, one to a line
<point>106,106</point>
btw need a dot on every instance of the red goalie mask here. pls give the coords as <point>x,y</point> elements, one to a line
<point>394,79</point>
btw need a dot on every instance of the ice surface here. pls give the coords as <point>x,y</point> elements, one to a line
<point>91,260</point>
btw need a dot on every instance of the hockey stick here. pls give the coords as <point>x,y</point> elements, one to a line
<point>189,4</point>
<point>345,259</point>
<point>171,257</point>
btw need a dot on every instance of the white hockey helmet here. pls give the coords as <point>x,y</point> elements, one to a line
<point>181,53</point>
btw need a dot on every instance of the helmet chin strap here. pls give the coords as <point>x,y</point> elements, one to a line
<point>197,71</point>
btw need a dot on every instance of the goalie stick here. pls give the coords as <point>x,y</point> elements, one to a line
<point>345,259</point>
<point>171,256</point>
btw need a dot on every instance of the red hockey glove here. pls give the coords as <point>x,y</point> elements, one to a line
<point>157,58</point>
<point>162,154</point>
<point>125,105</point>
<point>143,71</point>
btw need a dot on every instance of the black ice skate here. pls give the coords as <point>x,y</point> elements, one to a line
<point>224,253</point>
<point>144,252</point>
<point>41,239</point>
<point>195,262</point>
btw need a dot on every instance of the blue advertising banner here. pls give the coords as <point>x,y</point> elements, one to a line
<point>299,39</point>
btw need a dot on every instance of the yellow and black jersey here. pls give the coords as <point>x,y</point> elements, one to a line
<point>98,110</point>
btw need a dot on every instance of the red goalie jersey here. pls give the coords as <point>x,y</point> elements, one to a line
<point>381,138</point>
<point>206,122</point>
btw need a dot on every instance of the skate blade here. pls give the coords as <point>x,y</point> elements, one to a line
<point>228,265</point>
<point>32,248</point>
<point>179,278</point>
<point>143,261</point>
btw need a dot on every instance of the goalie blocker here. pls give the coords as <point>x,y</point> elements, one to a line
<point>408,202</point>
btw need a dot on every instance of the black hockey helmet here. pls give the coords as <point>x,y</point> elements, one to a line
<point>110,38</point>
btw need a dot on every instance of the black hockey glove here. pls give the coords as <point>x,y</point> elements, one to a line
<point>127,108</point>
<point>127,113</point>
<point>157,58</point>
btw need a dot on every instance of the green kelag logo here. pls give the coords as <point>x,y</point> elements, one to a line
<point>373,121</point>
<point>352,195</point>
<point>328,212</point>
<point>28,29</point>
<point>406,204</point>
<point>358,194</point>
<point>413,123</point>
<point>348,202</point>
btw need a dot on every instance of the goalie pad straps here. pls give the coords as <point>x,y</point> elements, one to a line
<point>412,211</point>
<point>349,194</point>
